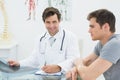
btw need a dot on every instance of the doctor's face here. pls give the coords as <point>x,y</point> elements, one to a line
<point>52,24</point>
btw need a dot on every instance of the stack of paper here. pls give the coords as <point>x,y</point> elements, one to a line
<point>40,72</point>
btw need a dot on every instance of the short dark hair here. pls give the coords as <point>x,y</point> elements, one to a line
<point>50,11</point>
<point>103,16</point>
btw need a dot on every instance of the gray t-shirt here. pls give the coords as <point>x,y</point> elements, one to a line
<point>110,52</point>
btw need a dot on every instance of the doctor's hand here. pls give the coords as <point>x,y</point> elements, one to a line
<point>13,63</point>
<point>51,68</point>
<point>72,74</point>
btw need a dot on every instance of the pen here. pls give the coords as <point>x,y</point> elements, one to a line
<point>45,63</point>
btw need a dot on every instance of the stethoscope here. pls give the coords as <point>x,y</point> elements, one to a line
<point>61,47</point>
<point>43,51</point>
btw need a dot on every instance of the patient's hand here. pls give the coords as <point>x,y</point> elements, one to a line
<point>72,74</point>
<point>51,68</point>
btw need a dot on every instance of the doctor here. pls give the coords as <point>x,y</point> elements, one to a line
<point>55,49</point>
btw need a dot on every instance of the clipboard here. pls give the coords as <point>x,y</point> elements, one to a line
<point>49,76</point>
<point>40,72</point>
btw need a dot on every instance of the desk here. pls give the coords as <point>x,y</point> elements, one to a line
<point>28,75</point>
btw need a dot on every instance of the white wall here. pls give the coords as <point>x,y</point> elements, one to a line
<point>81,9</point>
<point>24,31</point>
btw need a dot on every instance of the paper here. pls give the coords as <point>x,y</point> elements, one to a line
<point>40,72</point>
<point>2,60</point>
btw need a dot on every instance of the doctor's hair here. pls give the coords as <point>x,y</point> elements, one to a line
<point>50,11</point>
<point>103,16</point>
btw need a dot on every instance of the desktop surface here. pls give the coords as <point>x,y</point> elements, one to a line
<point>28,74</point>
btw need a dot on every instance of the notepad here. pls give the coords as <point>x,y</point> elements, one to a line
<point>41,72</point>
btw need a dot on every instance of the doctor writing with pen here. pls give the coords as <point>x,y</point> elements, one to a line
<point>55,49</point>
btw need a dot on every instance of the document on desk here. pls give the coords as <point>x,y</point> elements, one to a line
<point>41,72</point>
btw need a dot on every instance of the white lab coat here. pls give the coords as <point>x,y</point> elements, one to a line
<point>53,55</point>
